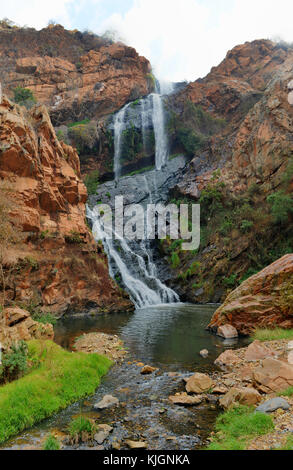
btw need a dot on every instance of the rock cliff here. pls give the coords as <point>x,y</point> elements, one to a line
<point>76,75</point>
<point>56,265</point>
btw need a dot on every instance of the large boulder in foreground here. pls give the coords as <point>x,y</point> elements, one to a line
<point>264,300</point>
<point>16,324</point>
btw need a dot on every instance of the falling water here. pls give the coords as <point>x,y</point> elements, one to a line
<point>135,265</point>
<point>118,129</point>
<point>139,278</point>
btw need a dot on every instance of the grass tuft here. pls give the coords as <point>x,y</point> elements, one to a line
<point>51,443</point>
<point>59,379</point>
<point>237,426</point>
<point>272,335</point>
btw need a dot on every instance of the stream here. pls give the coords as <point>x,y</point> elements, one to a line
<point>169,337</point>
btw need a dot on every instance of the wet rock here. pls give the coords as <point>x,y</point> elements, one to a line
<point>136,444</point>
<point>146,370</point>
<point>241,396</point>
<point>204,353</point>
<point>199,383</point>
<point>227,332</point>
<point>273,375</point>
<point>272,405</point>
<point>257,351</point>
<point>107,402</point>
<point>185,400</point>
<point>227,358</point>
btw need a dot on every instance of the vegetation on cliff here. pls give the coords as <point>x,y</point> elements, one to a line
<point>57,379</point>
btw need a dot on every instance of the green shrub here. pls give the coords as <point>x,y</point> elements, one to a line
<point>230,281</point>
<point>24,97</point>
<point>288,392</point>
<point>74,237</point>
<point>91,181</point>
<point>175,260</point>
<point>14,362</point>
<point>246,225</point>
<point>190,140</point>
<point>51,443</point>
<point>281,206</point>
<point>43,317</point>
<point>83,135</point>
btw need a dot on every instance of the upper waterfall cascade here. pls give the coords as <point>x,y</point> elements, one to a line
<point>132,261</point>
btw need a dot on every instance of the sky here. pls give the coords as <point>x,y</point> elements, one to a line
<point>182,39</point>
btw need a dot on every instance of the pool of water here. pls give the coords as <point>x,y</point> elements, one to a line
<point>169,337</point>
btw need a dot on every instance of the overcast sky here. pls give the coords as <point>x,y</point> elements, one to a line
<point>183,39</point>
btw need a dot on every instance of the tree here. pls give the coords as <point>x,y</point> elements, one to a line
<point>10,234</point>
<point>24,97</point>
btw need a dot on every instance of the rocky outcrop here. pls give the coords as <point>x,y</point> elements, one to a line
<point>16,325</point>
<point>76,75</point>
<point>58,265</point>
<point>264,300</point>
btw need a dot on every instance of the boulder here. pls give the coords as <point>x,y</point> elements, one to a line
<point>199,383</point>
<point>227,332</point>
<point>107,402</point>
<point>220,390</point>
<point>17,325</point>
<point>185,400</point>
<point>242,396</point>
<point>264,300</point>
<point>256,351</point>
<point>273,375</point>
<point>272,405</point>
<point>227,358</point>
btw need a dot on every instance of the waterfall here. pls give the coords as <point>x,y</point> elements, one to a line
<point>160,133</point>
<point>118,129</point>
<point>138,277</point>
<point>133,261</point>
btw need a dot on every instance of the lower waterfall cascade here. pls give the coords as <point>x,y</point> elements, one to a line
<point>131,262</point>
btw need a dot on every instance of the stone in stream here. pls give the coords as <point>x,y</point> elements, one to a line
<point>107,402</point>
<point>204,353</point>
<point>146,370</point>
<point>227,332</point>
<point>185,400</point>
<point>136,444</point>
<point>273,405</point>
<point>199,383</point>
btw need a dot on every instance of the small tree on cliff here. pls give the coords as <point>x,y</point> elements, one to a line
<point>10,234</point>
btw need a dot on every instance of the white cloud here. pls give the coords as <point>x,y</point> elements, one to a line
<point>185,38</point>
<point>37,13</point>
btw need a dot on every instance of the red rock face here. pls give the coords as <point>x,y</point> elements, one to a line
<point>264,300</point>
<point>58,266</point>
<point>75,75</point>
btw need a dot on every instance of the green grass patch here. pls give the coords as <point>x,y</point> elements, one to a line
<point>272,335</point>
<point>78,123</point>
<point>287,393</point>
<point>51,443</point>
<point>59,379</point>
<point>236,427</point>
